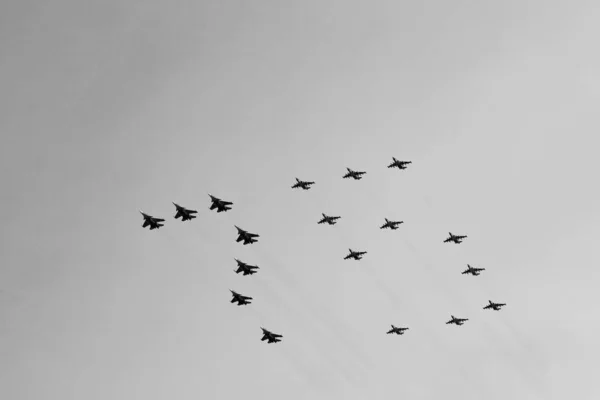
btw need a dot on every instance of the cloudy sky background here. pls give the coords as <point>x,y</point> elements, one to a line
<point>108,107</point>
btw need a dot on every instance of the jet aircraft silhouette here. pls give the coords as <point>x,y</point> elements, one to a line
<point>149,220</point>
<point>270,336</point>
<point>246,236</point>
<point>302,184</point>
<point>328,220</point>
<point>239,298</point>
<point>397,331</point>
<point>455,238</point>
<point>399,164</point>
<point>473,271</point>
<point>245,268</point>
<point>220,205</point>
<point>393,225</point>
<point>357,255</point>
<point>457,321</point>
<point>184,213</point>
<point>356,175</point>
<point>494,306</point>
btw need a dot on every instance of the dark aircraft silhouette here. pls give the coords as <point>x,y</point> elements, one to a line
<point>457,321</point>
<point>302,184</point>
<point>329,220</point>
<point>184,213</point>
<point>494,306</point>
<point>245,268</point>
<point>455,238</point>
<point>473,271</point>
<point>399,164</point>
<point>270,336</point>
<point>397,331</point>
<point>241,299</point>
<point>393,225</point>
<point>246,236</point>
<point>219,204</point>
<point>354,174</point>
<point>357,255</point>
<point>149,220</point>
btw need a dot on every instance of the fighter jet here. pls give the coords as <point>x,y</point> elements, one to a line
<point>456,321</point>
<point>302,184</point>
<point>357,255</point>
<point>241,299</point>
<point>393,225</point>
<point>357,175</point>
<point>245,268</point>
<point>455,238</point>
<point>219,204</point>
<point>149,220</point>
<point>473,271</point>
<point>184,213</point>
<point>246,236</point>
<point>329,220</point>
<point>399,164</point>
<point>270,336</point>
<point>494,306</point>
<point>397,331</point>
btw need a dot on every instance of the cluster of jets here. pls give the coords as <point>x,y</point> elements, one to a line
<point>246,237</point>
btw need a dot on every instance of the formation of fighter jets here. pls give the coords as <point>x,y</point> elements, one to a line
<point>247,237</point>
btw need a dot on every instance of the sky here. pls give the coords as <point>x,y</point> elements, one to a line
<point>108,107</point>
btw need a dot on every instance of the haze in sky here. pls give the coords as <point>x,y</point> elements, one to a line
<point>110,106</point>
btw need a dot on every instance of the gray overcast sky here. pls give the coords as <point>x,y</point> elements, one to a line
<point>111,106</point>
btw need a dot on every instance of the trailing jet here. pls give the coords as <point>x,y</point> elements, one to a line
<point>457,321</point>
<point>184,213</point>
<point>241,299</point>
<point>329,220</point>
<point>399,164</point>
<point>397,331</point>
<point>219,204</point>
<point>354,174</point>
<point>246,269</point>
<point>149,220</point>
<point>246,236</point>
<point>473,271</point>
<point>270,336</point>
<point>393,225</point>
<point>455,238</point>
<point>357,255</point>
<point>494,306</point>
<point>302,184</point>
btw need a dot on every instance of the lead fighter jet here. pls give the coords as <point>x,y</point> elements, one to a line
<point>241,299</point>
<point>245,268</point>
<point>455,238</point>
<point>473,271</point>
<point>494,306</point>
<point>399,164</point>
<point>302,184</point>
<point>357,175</point>
<point>397,331</point>
<point>246,236</point>
<point>456,321</point>
<point>184,213</point>
<point>149,220</point>
<point>393,225</point>
<point>219,204</point>
<point>329,220</point>
<point>270,336</point>
<point>357,255</point>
